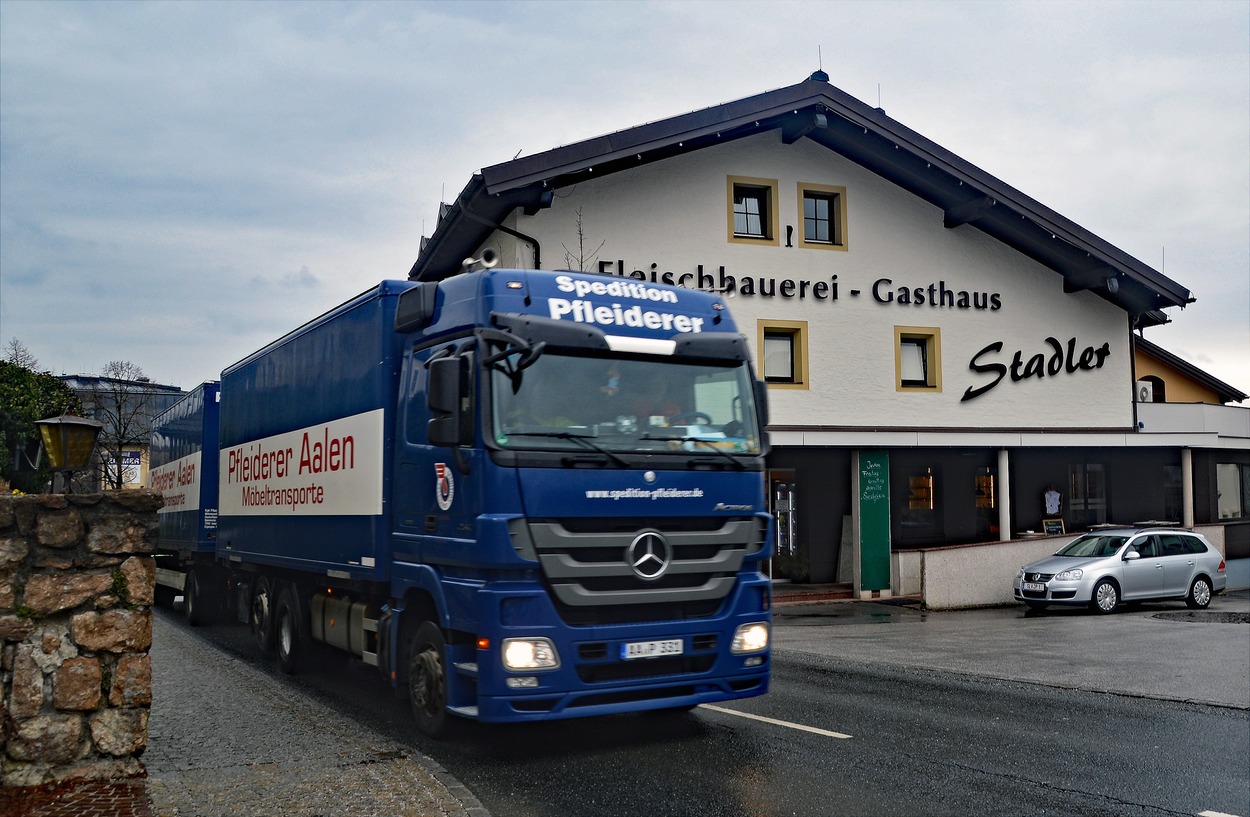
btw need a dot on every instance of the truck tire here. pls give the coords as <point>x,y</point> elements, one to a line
<point>261,616</point>
<point>427,679</point>
<point>288,638</point>
<point>194,603</point>
<point>164,596</point>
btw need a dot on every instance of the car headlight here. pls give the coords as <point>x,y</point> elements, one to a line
<point>1068,576</point>
<point>750,638</point>
<point>529,653</point>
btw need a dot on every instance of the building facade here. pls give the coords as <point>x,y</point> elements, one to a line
<point>127,408</point>
<point>948,360</point>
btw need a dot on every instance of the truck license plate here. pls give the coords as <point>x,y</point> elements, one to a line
<point>1034,587</point>
<point>651,649</point>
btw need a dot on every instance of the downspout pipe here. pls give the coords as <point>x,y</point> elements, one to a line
<point>469,214</point>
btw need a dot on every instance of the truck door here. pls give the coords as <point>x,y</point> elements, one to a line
<point>436,491</point>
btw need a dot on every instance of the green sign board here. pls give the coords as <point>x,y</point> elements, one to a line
<point>874,520</point>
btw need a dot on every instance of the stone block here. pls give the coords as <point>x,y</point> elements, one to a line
<point>13,550</point>
<point>142,502</point>
<point>46,739</point>
<point>26,695</point>
<point>13,628</point>
<point>119,732</point>
<point>132,682</point>
<point>7,519</point>
<point>113,630</point>
<point>118,533</point>
<point>25,512</point>
<point>59,529</point>
<point>8,591</point>
<point>53,502</point>
<point>76,685</point>
<point>140,575</point>
<point>51,592</point>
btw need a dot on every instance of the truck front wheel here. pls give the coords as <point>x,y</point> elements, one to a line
<point>427,679</point>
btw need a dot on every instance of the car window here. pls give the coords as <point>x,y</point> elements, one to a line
<point>1087,546</point>
<point>1193,545</point>
<point>1147,546</point>
<point>1174,545</point>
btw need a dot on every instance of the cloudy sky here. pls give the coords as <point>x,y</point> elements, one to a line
<point>182,182</point>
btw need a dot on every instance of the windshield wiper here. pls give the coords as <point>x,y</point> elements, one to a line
<point>579,438</point>
<point>711,444</point>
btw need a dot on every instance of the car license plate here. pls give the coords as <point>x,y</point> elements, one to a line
<point>651,649</point>
<point>1034,587</point>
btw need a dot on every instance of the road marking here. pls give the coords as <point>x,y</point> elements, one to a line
<point>776,722</point>
<point>1214,814</point>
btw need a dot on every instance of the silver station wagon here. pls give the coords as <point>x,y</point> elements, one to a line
<point>1106,567</point>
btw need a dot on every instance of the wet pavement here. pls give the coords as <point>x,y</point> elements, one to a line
<point>1160,650</point>
<point>224,739</point>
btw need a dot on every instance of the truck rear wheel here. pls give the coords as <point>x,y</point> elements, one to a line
<point>427,679</point>
<point>261,617</point>
<point>193,601</point>
<point>287,639</point>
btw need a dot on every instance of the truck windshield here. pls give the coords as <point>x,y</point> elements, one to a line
<point>568,402</point>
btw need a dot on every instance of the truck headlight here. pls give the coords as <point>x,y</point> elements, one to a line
<point>529,653</point>
<point>750,638</point>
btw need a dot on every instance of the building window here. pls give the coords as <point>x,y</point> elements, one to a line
<point>824,216</point>
<point>918,358</point>
<point>1232,485</point>
<point>783,353</point>
<point>1158,389</point>
<point>752,210</point>
<point>1087,494</point>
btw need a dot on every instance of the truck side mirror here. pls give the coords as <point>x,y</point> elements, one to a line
<point>446,398</point>
<point>761,402</point>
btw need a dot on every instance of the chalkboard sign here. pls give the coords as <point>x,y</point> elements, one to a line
<point>1053,527</point>
<point>874,520</point>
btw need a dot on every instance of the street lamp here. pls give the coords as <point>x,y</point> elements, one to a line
<point>70,441</point>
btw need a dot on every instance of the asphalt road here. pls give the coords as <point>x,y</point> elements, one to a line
<point>843,735</point>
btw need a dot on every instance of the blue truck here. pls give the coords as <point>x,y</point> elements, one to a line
<point>183,469</point>
<point>520,494</point>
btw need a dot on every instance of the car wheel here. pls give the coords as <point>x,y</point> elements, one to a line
<point>427,680</point>
<point>1199,597</point>
<point>1106,597</point>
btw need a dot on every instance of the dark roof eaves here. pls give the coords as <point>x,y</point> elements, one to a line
<point>534,171</point>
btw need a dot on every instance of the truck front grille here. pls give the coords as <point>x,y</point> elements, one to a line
<point>609,570</point>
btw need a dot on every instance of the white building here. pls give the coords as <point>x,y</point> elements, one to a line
<point>941,349</point>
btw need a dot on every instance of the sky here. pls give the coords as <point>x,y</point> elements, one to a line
<point>181,183</point>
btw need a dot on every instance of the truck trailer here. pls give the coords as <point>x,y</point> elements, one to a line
<point>183,469</point>
<point>520,494</point>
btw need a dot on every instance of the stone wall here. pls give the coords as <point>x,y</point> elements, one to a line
<point>76,584</point>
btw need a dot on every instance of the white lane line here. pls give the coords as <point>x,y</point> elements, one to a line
<point>776,722</point>
<point>1215,814</point>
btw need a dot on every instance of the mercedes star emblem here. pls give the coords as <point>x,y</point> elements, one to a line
<point>648,555</point>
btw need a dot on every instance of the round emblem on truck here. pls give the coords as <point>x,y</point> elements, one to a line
<point>444,485</point>
<point>649,555</point>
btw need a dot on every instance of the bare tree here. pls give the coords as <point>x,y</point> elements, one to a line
<point>19,354</point>
<point>124,401</point>
<point>584,261</point>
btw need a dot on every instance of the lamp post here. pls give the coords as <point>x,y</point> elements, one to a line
<point>70,441</point>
